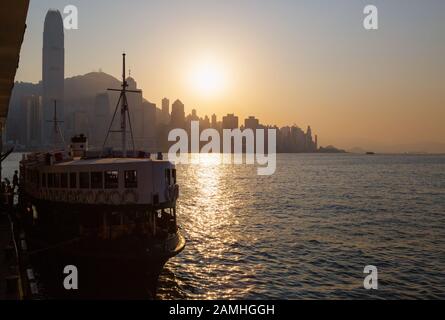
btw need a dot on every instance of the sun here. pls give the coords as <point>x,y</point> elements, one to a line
<point>208,78</point>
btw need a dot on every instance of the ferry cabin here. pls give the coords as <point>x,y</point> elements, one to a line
<point>101,197</point>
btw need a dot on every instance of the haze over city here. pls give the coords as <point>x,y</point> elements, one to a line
<point>304,62</point>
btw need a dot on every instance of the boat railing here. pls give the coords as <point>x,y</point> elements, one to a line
<point>48,158</point>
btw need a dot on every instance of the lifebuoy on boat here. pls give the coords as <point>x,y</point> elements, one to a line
<point>82,197</point>
<point>59,196</point>
<point>78,195</point>
<point>130,197</point>
<point>115,198</point>
<point>72,196</point>
<point>51,195</point>
<point>101,197</point>
<point>90,197</point>
<point>63,196</point>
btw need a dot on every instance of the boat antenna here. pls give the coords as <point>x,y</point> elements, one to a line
<point>57,132</point>
<point>123,103</point>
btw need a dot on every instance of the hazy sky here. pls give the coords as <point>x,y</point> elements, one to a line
<point>284,61</point>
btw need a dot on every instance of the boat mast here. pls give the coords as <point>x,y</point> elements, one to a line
<point>123,103</point>
<point>124,109</point>
<point>57,131</point>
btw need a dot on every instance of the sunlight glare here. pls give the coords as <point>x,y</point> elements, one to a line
<point>208,78</point>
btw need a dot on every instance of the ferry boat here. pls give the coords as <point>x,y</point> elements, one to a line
<point>111,214</point>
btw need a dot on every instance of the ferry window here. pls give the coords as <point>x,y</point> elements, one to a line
<point>111,179</point>
<point>57,180</point>
<point>64,180</point>
<point>73,180</point>
<point>174,175</point>
<point>97,180</point>
<point>167,176</point>
<point>50,180</point>
<point>84,180</point>
<point>131,179</point>
<point>44,180</point>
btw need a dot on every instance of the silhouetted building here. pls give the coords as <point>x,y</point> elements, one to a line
<point>149,132</point>
<point>310,145</point>
<point>178,115</point>
<point>192,117</point>
<point>214,121</point>
<point>251,123</point>
<point>16,131</point>
<point>81,124</point>
<point>230,122</point>
<point>101,120</point>
<point>204,123</point>
<point>33,125</point>
<point>53,72</point>
<point>165,118</point>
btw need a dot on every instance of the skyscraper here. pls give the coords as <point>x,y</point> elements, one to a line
<point>101,120</point>
<point>309,143</point>
<point>53,72</point>
<point>230,122</point>
<point>251,123</point>
<point>165,111</point>
<point>32,114</point>
<point>149,134</point>
<point>214,121</point>
<point>178,115</point>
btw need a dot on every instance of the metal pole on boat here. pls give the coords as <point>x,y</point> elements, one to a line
<point>55,124</point>
<point>124,110</point>
<point>57,130</point>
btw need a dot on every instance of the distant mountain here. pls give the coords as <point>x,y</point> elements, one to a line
<point>330,149</point>
<point>89,84</point>
<point>357,150</point>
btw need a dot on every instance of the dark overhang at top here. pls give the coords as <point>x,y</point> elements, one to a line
<point>12,29</point>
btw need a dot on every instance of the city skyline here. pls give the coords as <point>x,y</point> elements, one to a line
<point>52,113</point>
<point>360,92</point>
<point>90,113</point>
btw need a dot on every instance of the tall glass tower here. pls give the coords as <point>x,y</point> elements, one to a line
<point>53,73</point>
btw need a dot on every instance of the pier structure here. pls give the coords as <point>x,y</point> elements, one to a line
<point>12,30</point>
<point>11,286</point>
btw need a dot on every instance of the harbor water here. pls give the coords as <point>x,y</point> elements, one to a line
<point>308,231</point>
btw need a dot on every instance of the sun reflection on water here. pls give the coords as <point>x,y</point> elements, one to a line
<point>208,208</point>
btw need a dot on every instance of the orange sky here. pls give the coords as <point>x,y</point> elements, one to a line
<point>286,62</point>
